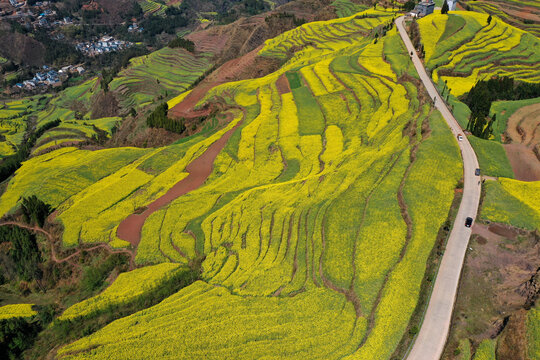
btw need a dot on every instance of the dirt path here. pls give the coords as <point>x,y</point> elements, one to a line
<point>199,170</point>
<point>54,255</point>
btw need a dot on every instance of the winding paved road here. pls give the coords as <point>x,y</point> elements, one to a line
<point>431,339</point>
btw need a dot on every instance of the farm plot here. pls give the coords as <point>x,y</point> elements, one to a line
<point>315,234</point>
<point>14,117</point>
<point>128,287</point>
<point>71,132</point>
<point>165,72</point>
<point>513,202</point>
<point>533,332</point>
<point>345,8</point>
<point>479,50</point>
<point>16,311</point>
<point>522,14</point>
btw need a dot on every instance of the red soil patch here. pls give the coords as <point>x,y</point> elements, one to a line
<point>524,162</point>
<point>485,234</point>
<point>503,231</point>
<point>186,108</point>
<point>527,12</point>
<point>230,71</point>
<point>282,85</point>
<point>199,170</point>
<point>211,40</point>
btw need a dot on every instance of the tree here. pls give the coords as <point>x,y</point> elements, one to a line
<point>409,5</point>
<point>34,210</point>
<point>489,19</point>
<point>445,8</point>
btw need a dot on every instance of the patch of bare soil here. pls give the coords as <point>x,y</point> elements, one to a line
<point>524,162</point>
<point>503,231</point>
<point>495,286</point>
<point>199,170</point>
<point>528,13</point>
<point>282,85</point>
<point>247,66</point>
<point>524,131</point>
<point>523,125</point>
<point>512,343</point>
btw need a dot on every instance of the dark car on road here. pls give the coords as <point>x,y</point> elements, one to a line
<point>468,222</point>
<point>477,172</point>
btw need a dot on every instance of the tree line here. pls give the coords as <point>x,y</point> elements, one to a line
<point>159,119</point>
<point>484,92</point>
<point>183,43</point>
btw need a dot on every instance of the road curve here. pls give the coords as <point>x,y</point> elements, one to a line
<point>431,339</point>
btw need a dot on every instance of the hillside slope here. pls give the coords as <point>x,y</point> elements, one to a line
<point>316,222</point>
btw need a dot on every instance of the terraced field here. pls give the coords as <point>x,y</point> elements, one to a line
<point>316,221</point>
<point>164,72</point>
<point>345,8</point>
<point>151,7</point>
<point>16,311</point>
<point>469,50</point>
<point>128,287</point>
<point>524,14</point>
<point>14,117</point>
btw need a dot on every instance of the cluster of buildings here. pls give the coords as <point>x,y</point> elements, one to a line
<point>49,77</point>
<point>426,7</point>
<point>135,28</point>
<point>39,15</point>
<point>104,45</point>
<point>16,3</point>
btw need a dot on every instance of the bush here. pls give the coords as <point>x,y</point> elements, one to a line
<point>183,43</point>
<point>34,210</point>
<point>158,119</point>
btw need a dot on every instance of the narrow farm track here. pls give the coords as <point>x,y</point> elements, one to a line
<point>54,255</point>
<point>431,339</point>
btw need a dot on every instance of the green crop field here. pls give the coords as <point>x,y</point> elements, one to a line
<point>16,311</point>
<point>13,121</point>
<point>151,7</point>
<point>472,50</point>
<point>165,72</point>
<point>315,224</point>
<point>491,157</point>
<point>486,350</point>
<point>512,202</point>
<point>345,8</point>
<point>533,332</point>
<point>128,287</point>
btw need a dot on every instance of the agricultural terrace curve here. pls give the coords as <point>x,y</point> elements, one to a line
<point>199,170</point>
<point>431,339</point>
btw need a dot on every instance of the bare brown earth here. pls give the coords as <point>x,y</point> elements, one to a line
<point>523,125</point>
<point>283,85</point>
<point>523,131</point>
<point>524,162</point>
<point>199,170</point>
<point>495,287</point>
<point>512,343</point>
<point>247,66</point>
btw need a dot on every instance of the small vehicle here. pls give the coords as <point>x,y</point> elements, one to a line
<point>477,172</point>
<point>460,137</point>
<point>468,222</point>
